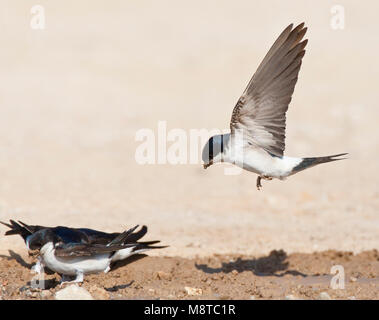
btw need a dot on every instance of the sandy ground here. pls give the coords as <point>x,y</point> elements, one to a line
<point>74,95</point>
<point>275,276</point>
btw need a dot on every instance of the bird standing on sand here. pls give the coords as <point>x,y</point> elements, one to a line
<point>256,142</point>
<point>79,251</point>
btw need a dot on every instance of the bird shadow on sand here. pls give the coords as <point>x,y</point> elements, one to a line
<point>47,283</point>
<point>15,256</point>
<point>21,261</point>
<point>119,287</point>
<point>274,264</point>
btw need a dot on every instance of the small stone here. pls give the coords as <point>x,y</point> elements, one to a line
<point>161,275</point>
<point>28,293</point>
<point>353,279</point>
<point>73,292</point>
<point>252,298</point>
<point>99,293</point>
<point>324,296</point>
<point>193,291</point>
<point>234,272</point>
<point>46,294</point>
<point>352,298</point>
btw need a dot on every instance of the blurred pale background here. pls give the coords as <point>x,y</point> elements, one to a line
<point>73,96</point>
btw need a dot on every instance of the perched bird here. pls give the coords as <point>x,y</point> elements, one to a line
<point>256,141</point>
<point>79,251</point>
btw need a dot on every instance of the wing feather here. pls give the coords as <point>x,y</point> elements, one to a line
<point>85,249</point>
<point>261,110</point>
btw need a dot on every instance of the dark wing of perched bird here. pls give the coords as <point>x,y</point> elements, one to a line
<point>260,113</point>
<point>128,237</point>
<point>76,248</point>
<point>85,249</point>
<point>123,237</point>
<point>100,237</point>
<point>134,237</point>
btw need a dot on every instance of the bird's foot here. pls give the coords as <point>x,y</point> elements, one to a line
<point>259,185</point>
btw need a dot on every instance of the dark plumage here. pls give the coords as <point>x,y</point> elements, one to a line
<point>77,251</point>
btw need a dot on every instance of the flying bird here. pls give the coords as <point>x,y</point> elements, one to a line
<point>256,141</point>
<point>79,251</point>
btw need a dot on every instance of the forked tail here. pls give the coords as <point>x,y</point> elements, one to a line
<point>311,162</point>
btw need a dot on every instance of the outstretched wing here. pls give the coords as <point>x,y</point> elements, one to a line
<point>261,111</point>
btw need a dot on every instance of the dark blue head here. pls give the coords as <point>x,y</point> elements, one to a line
<point>213,150</point>
<point>38,239</point>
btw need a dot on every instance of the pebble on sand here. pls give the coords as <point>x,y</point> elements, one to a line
<point>193,291</point>
<point>46,294</point>
<point>73,292</point>
<point>161,275</point>
<point>324,296</point>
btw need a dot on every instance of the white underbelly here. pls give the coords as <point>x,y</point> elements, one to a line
<point>262,163</point>
<point>73,265</point>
